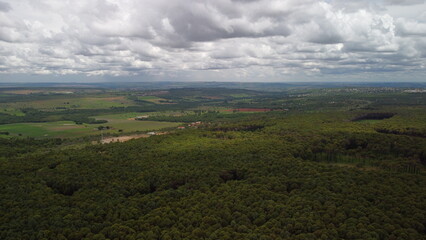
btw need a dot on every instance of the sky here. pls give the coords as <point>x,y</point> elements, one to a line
<point>212,40</point>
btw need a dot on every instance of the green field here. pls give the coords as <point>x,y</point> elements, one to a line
<point>122,115</point>
<point>12,111</point>
<point>71,103</point>
<point>67,129</point>
<point>125,122</point>
<point>239,95</point>
<point>48,129</point>
<point>112,117</point>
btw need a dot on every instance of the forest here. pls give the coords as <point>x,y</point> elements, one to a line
<point>320,163</point>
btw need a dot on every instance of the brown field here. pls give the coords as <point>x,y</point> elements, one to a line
<point>128,137</point>
<point>124,138</point>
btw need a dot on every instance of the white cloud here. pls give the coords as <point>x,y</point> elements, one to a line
<point>253,40</point>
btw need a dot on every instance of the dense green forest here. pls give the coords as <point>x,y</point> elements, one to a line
<point>334,165</point>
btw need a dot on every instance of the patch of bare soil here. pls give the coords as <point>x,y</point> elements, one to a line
<point>124,138</point>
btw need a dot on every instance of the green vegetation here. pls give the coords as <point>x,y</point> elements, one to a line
<point>332,163</point>
<point>66,129</point>
<point>12,111</point>
<point>71,103</point>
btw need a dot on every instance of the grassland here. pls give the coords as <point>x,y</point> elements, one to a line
<point>71,103</point>
<point>12,111</point>
<point>48,129</point>
<point>130,125</point>
<point>240,95</point>
<point>130,115</point>
<point>68,129</point>
<point>24,91</point>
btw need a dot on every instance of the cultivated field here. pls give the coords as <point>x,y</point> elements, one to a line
<point>71,103</point>
<point>68,129</point>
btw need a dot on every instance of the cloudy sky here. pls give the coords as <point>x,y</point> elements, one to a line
<point>212,40</point>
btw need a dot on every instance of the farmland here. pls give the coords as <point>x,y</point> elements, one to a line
<point>78,112</point>
<point>154,99</point>
<point>67,129</point>
<point>70,103</point>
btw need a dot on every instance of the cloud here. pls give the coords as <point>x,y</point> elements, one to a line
<point>5,7</point>
<point>410,27</point>
<point>404,2</point>
<point>176,39</point>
